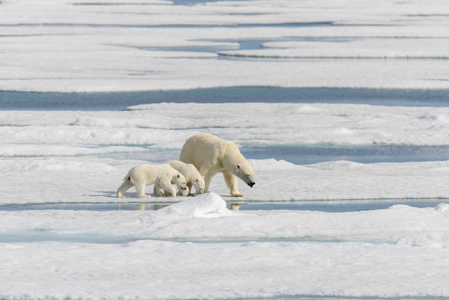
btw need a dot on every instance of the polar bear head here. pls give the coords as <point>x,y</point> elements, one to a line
<point>193,178</point>
<point>180,181</point>
<point>198,183</point>
<point>237,164</point>
<point>245,172</point>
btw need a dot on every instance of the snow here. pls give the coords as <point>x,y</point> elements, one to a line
<point>198,248</point>
<point>252,124</point>
<point>206,205</point>
<point>368,220</point>
<point>351,49</point>
<point>99,147</point>
<point>161,255</point>
<point>103,46</point>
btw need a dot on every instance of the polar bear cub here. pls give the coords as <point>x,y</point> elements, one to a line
<point>191,174</point>
<point>142,175</point>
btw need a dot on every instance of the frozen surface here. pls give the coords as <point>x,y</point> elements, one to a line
<point>198,248</point>
<point>167,125</point>
<point>101,46</point>
<point>397,252</point>
<point>98,148</point>
<point>352,48</point>
<point>335,103</point>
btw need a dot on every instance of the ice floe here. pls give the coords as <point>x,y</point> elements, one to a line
<point>60,168</point>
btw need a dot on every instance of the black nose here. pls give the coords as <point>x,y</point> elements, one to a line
<point>251,184</point>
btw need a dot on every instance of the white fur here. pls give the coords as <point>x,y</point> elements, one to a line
<point>191,174</point>
<point>211,155</point>
<point>141,176</point>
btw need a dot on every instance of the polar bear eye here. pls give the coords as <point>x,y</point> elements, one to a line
<point>197,180</point>
<point>178,176</point>
<point>238,166</point>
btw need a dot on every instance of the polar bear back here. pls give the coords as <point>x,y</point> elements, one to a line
<point>200,149</point>
<point>189,171</point>
<point>149,174</point>
<point>209,153</point>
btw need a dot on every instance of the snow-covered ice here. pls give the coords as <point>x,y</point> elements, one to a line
<point>65,235</point>
<point>397,252</point>
<point>85,46</point>
<point>198,248</point>
<point>98,148</point>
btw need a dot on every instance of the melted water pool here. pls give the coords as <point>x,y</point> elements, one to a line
<point>122,100</point>
<point>310,154</point>
<point>333,206</point>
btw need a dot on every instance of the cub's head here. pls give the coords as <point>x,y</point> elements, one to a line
<point>180,181</point>
<point>199,184</point>
<point>196,179</point>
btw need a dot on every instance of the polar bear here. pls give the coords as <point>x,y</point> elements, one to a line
<point>211,155</point>
<point>191,174</point>
<point>146,174</point>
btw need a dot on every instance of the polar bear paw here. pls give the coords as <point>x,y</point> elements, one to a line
<point>236,194</point>
<point>144,196</point>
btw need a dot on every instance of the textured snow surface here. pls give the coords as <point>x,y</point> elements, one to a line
<point>84,46</point>
<point>69,156</point>
<point>180,252</point>
<point>65,235</point>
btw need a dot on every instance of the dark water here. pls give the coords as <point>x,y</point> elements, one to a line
<point>124,3</point>
<point>333,206</point>
<point>309,154</point>
<point>10,100</point>
<point>336,206</point>
<point>297,154</point>
<point>30,236</point>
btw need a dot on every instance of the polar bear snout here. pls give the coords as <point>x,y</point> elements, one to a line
<point>250,180</point>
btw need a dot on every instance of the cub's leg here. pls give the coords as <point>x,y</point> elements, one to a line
<point>158,191</point>
<point>168,188</point>
<point>140,187</point>
<point>189,189</point>
<point>126,185</point>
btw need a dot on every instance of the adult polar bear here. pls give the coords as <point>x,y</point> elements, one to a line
<point>211,155</point>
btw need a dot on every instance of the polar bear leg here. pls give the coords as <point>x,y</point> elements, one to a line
<point>157,190</point>
<point>208,171</point>
<point>140,187</point>
<point>232,183</point>
<point>126,185</point>
<point>168,188</point>
<point>189,189</point>
<point>207,179</point>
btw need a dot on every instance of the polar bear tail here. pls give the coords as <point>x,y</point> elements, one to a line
<point>127,178</point>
